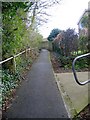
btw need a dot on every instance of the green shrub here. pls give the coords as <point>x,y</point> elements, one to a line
<point>66,62</point>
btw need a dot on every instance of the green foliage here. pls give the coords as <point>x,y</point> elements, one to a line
<point>12,7</point>
<point>9,82</point>
<point>83,43</point>
<point>66,62</point>
<point>70,42</point>
<point>22,62</point>
<point>53,34</point>
<point>16,37</point>
<point>13,30</point>
<point>36,39</point>
<point>84,21</point>
<point>67,43</point>
<point>68,47</point>
<point>82,64</point>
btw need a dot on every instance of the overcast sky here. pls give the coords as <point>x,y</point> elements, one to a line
<point>64,16</point>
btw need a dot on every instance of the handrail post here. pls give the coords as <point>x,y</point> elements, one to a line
<point>26,52</point>
<point>14,65</point>
<point>29,51</point>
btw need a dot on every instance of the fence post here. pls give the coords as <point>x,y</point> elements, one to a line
<point>14,65</point>
<point>26,52</point>
<point>29,52</point>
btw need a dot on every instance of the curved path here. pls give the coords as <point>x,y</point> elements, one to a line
<point>38,96</point>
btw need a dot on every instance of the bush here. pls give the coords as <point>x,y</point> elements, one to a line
<point>66,62</point>
<point>82,64</point>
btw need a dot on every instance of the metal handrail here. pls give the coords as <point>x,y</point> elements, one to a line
<point>74,71</point>
<point>6,60</point>
<point>1,62</point>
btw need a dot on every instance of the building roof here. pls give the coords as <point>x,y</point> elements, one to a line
<point>45,39</point>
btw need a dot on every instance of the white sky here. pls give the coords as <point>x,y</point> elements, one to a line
<point>65,15</point>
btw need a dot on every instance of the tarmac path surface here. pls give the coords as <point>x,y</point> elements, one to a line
<point>38,96</point>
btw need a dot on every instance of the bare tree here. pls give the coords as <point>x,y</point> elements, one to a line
<point>37,14</point>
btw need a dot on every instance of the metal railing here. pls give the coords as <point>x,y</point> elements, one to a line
<point>74,71</point>
<point>14,56</point>
<point>27,53</point>
<point>1,62</point>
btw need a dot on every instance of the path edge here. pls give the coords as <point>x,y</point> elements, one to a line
<point>70,110</point>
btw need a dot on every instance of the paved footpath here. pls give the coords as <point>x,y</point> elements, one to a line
<point>38,96</point>
<point>75,96</point>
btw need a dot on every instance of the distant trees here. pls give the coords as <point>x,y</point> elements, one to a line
<point>64,42</point>
<point>70,42</point>
<point>53,34</point>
